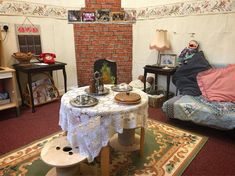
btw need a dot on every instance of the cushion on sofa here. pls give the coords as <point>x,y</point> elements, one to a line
<point>218,84</point>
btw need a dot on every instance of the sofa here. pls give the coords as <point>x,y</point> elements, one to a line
<point>206,94</point>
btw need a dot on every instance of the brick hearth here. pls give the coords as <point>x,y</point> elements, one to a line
<point>103,40</point>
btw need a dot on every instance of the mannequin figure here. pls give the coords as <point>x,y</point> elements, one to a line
<point>188,52</point>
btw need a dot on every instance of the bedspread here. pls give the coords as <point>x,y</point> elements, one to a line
<point>198,110</point>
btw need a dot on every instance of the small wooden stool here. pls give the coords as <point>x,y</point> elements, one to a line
<point>59,154</point>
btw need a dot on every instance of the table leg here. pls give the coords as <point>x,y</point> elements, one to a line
<point>145,75</point>
<point>65,80</point>
<point>142,133</point>
<point>17,111</point>
<point>19,85</point>
<point>105,161</point>
<point>167,87</point>
<point>156,82</point>
<point>31,91</point>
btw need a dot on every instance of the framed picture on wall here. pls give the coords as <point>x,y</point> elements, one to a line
<point>130,15</point>
<point>103,15</point>
<point>167,60</point>
<point>28,38</point>
<point>88,16</point>
<point>117,16</point>
<point>74,15</point>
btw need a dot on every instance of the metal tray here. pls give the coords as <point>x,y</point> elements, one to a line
<point>82,101</point>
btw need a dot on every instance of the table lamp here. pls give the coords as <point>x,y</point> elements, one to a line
<point>160,43</point>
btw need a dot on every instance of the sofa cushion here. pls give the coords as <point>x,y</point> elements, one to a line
<point>218,84</point>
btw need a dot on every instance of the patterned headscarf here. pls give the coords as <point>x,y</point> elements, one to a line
<point>189,51</point>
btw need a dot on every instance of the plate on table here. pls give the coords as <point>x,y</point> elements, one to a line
<point>128,98</point>
<point>82,101</point>
<point>123,87</point>
<point>129,103</point>
<point>104,92</point>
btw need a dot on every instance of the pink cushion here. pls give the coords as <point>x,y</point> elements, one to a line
<point>218,84</point>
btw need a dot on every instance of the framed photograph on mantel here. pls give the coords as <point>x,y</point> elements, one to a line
<point>167,60</point>
<point>74,15</point>
<point>117,16</point>
<point>103,15</point>
<point>88,16</point>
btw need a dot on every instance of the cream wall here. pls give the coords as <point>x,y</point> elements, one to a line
<point>149,3</point>
<point>213,32</point>
<point>56,37</point>
<point>65,3</point>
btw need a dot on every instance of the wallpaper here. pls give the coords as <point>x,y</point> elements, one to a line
<point>171,10</point>
<point>186,8</point>
<point>32,9</point>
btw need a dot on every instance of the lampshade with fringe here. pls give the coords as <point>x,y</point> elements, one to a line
<point>160,42</point>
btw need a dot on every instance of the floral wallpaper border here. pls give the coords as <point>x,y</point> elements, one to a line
<point>186,8</point>
<point>32,9</point>
<point>171,10</point>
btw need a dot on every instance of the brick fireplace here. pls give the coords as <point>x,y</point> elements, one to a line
<point>103,40</point>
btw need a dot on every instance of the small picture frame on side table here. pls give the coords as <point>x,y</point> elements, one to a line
<point>167,60</point>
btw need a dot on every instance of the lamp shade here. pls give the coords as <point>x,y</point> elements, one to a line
<point>160,42</point>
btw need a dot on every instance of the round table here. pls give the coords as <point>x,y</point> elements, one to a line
<point>92,127</point>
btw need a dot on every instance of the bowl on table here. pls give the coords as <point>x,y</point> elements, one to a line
<point>23,58</point>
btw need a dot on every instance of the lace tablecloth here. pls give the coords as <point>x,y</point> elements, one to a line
<point>91,128</point>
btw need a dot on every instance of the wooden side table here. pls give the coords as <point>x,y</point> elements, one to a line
<point>159,71</point>
<point>34,68</point>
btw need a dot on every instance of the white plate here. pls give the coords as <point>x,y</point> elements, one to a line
<point>40,64</point>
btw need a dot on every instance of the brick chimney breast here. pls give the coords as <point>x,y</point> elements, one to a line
<point>103,40</point>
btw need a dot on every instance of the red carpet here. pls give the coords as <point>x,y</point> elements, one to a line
<point>27,127</point>
<point>215,158</point>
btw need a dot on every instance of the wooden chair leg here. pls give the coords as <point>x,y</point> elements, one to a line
<point>142,133</point>
<point>105,161</point>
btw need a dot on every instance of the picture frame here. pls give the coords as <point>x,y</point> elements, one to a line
<point>43,91</point>
<point>168,60</point>
<point>117,16</point>
<point>130,15</point>
<point>74,15</point>
<point>103,15</point>
<point>88,17</point>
